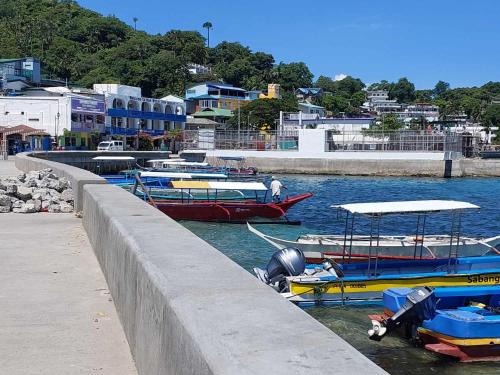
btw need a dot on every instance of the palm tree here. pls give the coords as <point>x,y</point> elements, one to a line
<point>208,25</point>
<point>135,22</point>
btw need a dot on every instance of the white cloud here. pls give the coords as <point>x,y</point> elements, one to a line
<point>339,77</point>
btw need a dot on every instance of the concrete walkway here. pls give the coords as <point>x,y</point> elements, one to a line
<point>56,313</point>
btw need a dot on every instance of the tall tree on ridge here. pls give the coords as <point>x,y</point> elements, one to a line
<point>135,23</point>
<point>208,25</point>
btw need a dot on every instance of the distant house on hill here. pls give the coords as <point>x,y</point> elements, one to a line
<point>308,94</point>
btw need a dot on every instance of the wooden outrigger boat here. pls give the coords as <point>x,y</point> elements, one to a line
<point>217,208</point>
<point>419,245</point>
<point>363,281</point>
<point>175,165</point>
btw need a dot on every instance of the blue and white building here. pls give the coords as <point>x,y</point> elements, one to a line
<point>128,112</point>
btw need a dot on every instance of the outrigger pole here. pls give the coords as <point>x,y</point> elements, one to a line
<point>138,181</point>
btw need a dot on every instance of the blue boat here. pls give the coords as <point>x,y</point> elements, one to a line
<point>461,322</point>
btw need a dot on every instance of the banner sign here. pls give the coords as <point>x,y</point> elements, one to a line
<point>87,106</point>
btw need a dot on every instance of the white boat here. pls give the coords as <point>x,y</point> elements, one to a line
<point>435,261</point>
<point>349,246</point>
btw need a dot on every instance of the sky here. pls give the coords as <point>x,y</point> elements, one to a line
<point>457,41</point>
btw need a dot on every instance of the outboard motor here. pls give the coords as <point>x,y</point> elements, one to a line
<point>420,305</point>
<point>286,262</point>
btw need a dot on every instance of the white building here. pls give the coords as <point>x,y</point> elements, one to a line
<point>53,110</point>
<point>127,111</point>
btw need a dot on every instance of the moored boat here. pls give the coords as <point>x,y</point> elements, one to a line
<point>461,322</point>
<point>355,248</point>
<point>216,208</point>
<point>352,282</point>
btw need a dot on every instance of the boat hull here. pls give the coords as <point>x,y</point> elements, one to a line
<point>465,350</point>
<point>317,248</point>
<point>360,285</point>
<point>222,211</point>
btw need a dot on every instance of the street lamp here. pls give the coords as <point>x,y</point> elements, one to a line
<point>58,116</point>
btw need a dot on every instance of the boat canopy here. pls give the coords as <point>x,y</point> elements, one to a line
<point>180,175</point>
<point>164,160</point>
<point>185,163</point>
<point>224,185</point>
<point>115,158</point>
<point>404,207</point>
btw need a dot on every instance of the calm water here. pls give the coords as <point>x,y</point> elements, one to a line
<point>393,354</point>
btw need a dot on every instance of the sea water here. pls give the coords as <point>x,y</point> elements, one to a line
<point>394,354</point>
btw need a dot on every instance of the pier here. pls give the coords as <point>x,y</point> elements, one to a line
<point>58,316</point>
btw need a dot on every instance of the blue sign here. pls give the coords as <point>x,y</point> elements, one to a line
<point>87,106</point>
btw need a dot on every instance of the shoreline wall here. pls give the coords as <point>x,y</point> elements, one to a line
<point>188,309</point>
<point>372,167</point>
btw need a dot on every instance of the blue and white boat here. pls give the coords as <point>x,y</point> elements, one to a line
<point>461,322</point>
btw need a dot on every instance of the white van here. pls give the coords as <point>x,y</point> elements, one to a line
<point>110,146</point>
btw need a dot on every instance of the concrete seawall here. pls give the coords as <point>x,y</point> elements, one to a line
<point>188,309</point>
<point>373,167</point>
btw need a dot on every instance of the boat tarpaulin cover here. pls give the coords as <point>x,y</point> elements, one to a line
<point>116,158</point>
<point>401,207</point>
<point>224,185</point>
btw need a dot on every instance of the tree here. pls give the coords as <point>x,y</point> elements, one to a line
<point>403,90</point>
<point>262,112</point>
<point>292,76</point>
<point>382,85</point>
<point>135,19</point>
<point>491,118</point>
<point>325,83</point>
<point>440,88</point>
<point>208,25</point>
<point>189,46</point>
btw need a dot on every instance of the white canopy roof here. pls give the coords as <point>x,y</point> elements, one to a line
<point>386,208</point>
<point>116,158</point>
<point>167,175</point>
<point>185,176</point>
<point>165,160</point>
<point>185,163</point>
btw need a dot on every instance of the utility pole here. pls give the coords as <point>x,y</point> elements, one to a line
<point>239,122</point>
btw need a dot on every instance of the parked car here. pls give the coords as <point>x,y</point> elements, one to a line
<point>110,146</point>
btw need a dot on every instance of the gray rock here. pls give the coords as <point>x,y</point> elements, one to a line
<point>43,183</point>
<point>64,181</point>
<point>33,175</point>
<point>24,192</point>
<point>55,208</point>
<point>20,209</point>
<point>45,205</point>
<point>37,203</point>
<point>21,177</point>
<point>26,208</point>
<point>31,182</point>
<point>54,185</point>
<point>5,200</point>
<point>4,209</point>
<point>10,188</point>
<point>17,204</point>
<point>67,195</point>
<point>54,194</point>
<point>65,207</point>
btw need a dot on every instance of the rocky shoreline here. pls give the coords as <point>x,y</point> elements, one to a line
<point>36,191</point>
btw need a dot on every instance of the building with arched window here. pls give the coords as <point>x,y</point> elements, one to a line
<point>128,113</point>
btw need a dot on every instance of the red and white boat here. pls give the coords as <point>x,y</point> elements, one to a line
<point>223,210</point>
